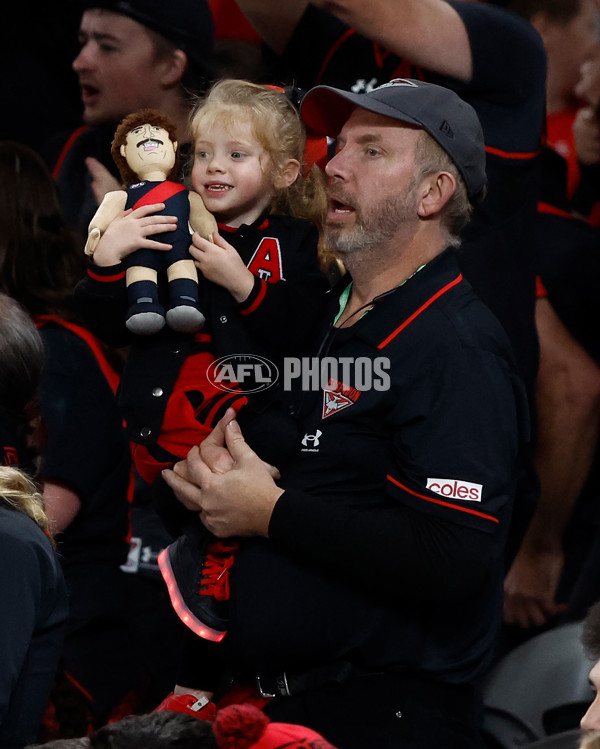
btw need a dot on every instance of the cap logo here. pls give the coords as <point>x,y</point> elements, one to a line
<point>397,82</point>
<point>446,129</point>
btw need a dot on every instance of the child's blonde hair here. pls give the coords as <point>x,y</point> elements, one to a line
<point>278,128</point>
<point>19,492</point>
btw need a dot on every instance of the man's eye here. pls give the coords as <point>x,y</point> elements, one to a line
<point>372,152</point>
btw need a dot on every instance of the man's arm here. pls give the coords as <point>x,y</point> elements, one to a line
<point>568,397</point>
<point>429,33</point>
<point>273,20</point>
<point>236,495</point>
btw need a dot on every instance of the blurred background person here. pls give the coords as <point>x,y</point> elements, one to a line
<point>136,54</point>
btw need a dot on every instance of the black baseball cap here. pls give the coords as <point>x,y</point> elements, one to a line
<point>439,111</point>
<point>186,23</point>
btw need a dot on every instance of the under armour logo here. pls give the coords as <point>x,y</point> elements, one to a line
<point>312,439</point>
<point>363,86</point>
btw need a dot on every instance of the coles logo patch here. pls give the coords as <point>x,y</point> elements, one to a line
<point>455,489</point>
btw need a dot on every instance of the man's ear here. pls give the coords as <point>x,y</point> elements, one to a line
<point>173,68</point>
<point>436,191</point>
<point>544,25</point>
<point>286,176</point>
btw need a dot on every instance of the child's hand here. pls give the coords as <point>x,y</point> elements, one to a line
<point>130,231</point>
<point>220,263</point>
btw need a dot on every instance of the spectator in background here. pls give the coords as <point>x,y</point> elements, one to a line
<point>586,129</point>
<point>33,600</point>
<point>84,464</point>
<point>569,31</point>
<point>542,579</point>
<point>142,53</point>
<point>22,360</point>
<point>591,643</point>
<point>238,48</point>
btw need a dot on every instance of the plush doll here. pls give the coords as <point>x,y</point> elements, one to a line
<point>145,150</point>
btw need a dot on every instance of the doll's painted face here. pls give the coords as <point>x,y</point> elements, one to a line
<point>148,150</point>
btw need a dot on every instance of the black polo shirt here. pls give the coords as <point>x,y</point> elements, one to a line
<point>386,548</point>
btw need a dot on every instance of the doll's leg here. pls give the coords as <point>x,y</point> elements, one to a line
<point>183,314</point>
<point>145,315</point>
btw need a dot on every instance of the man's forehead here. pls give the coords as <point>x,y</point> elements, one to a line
<point>362,120</point>
<point>108,23</point>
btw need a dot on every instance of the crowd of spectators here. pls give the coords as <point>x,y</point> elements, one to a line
<point>514,418</point>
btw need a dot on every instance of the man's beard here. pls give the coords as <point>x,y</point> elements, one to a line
<point>378,226</point>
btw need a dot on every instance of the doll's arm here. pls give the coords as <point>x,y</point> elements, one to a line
<point>112,205</point>
<point>201,220</point>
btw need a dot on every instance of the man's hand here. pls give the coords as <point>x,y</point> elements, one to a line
<point>530,587</point>
<point>586,129</point>
<point>235,496</point>
<point>102,179</point>
<point>220,263</point>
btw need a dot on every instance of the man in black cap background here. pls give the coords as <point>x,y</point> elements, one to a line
<point>133,54</point>
<point>367,594</point>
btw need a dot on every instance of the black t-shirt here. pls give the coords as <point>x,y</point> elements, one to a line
<point>567,257</point>
<point>33,601</point>
<point>87,449</point>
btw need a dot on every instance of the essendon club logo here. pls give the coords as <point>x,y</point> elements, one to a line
<point>266,261</point>
<point>337,396</point>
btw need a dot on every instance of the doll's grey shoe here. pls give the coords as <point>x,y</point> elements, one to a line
<point>185,318</point>
<point>145,318</point>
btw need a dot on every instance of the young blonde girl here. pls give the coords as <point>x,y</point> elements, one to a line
<point>261,284</point>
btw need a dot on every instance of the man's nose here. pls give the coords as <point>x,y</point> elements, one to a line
<point>83,59</point>
<point>591,720</point>
<point>336,166</point>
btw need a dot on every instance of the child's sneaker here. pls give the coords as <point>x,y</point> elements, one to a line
<point>197,578</point>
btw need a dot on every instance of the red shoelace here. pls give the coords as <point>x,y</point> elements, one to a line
<point>215,573</point>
